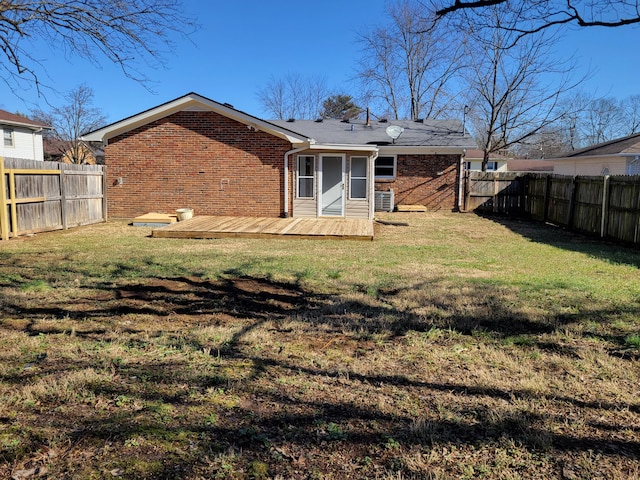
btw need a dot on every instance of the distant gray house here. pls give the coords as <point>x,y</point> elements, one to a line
<point>615,157</point>
<point>21,137</point>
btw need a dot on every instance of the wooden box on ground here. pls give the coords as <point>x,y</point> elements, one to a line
<point>411,208</point>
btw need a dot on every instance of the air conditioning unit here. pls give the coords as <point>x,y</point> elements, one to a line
<point>384,201</point>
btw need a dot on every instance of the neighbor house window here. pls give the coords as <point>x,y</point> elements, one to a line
<point>492,166</point>
<point>8,137</point>
<point>385,167</point>
<point>306,176</point>
<point>358,185</point>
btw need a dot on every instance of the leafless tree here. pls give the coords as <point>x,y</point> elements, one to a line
<point>552,141</point>
<point>631,108</point>
<point>70,121</point>
<point>293,96</point>
<point>584,121</point>
<point>123,32</point>
<point>514,85</point>
<point>603,121</point>
<point>592,120</point>
<point>406,66</point>
<point>543,14</point>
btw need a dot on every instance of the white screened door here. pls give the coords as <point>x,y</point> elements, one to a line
<point>332,194</point>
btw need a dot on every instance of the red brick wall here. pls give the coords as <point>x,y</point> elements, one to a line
<point>429,180</point>
<point>202,160</point>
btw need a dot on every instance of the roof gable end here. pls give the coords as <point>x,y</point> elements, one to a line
<point>190,102</point>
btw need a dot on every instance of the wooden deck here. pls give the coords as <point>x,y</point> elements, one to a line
<point>253,227</point>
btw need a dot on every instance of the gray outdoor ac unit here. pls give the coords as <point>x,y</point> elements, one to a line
<point>384,201</point>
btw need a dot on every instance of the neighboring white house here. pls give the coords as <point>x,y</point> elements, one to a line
<point>616,157</point>
<point>21,137</point>
<point>473,161</point>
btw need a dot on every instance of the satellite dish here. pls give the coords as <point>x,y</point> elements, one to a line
<point>394,131</point>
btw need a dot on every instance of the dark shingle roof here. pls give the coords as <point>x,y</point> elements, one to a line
<point>629,145</point>
<point>428,133</point>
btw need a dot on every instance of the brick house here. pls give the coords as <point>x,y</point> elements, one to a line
<point>195,152</point>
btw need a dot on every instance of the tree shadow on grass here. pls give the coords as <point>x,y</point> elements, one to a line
<point>615,253</point>
<point>476,307</point>
<point>151,399</point>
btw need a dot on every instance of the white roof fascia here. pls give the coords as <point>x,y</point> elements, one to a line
<point>418,150</point>
<point>192,102</point>
<point>29,126</point>
<point>343,147</point>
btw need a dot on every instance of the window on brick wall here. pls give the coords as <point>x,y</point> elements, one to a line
<point>358,178</point>
<point>306,176</point>
<point>8,137</point>
<point>385,167</point>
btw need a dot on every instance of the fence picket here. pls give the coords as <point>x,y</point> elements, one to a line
<point>604,206</point>
<point>45,196</point>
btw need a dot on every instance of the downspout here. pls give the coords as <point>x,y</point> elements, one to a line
<point>372,188</point>
<point>285,213</point>
<point>33,143</point>
<point>460,183</point>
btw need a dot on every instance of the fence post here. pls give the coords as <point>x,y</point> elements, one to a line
<point>572,203</point>
<point>63,197</point>
<point>604,225</point>
<point>4,218</point>
<point>547,198</point>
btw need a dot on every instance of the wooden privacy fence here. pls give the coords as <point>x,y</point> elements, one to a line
<point>607,206</point>
<point>44,196</point>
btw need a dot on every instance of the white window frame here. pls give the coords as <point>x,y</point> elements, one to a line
<point>306,177</point>
<point>365,178</point>
<point>395,166</point>
<point>9,137</point>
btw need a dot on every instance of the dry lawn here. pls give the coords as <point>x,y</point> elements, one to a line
<point>456,347</point>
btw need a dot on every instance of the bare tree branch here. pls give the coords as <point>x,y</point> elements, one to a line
<point>70,121</point>
<point>293,96</point>
<point>543,14</point>
<point>408,66</point>
<point>512,94</point>
<point>128,34</point>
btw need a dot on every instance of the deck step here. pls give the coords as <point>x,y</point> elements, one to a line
<point>154,220</point>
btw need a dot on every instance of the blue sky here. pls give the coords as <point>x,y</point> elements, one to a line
<point>240,45</point>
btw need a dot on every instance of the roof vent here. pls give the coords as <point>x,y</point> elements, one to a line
<point>383,120</point>
<point>419,120</point>
<point>319,120</point>
<point>345,120</point>
<point>228,105</point>
<point>291,120</point>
